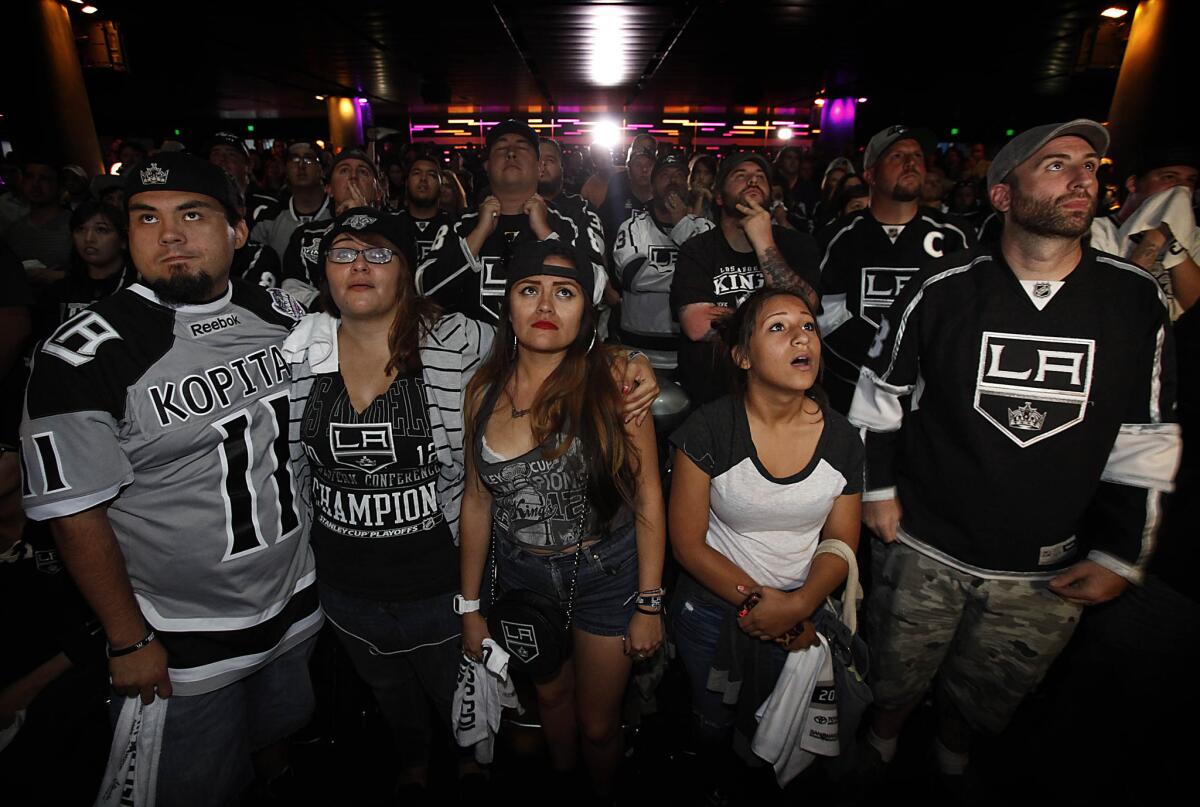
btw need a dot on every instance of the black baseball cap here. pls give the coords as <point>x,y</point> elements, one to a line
<point>227,139</point>
<point>1163,155</point>
<point>511,126</point>
<point>737,158</point>
<point>530,259</point>
<point>669,161</point>
<point>352,154</point>
<point>177,171</point>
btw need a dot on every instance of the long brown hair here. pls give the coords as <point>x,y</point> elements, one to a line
<point>415,316</point>
<point>579,401</point>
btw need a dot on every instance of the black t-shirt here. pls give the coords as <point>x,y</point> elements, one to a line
<point>619,204</point>
<point>378,530</point>
<point>709,270</point>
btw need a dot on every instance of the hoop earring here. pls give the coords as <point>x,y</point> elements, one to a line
<point>592,344</point>
<point>512,354</point>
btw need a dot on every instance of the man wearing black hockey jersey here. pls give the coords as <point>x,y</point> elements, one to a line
<point>573,206</point>
<point>1018,403</point>
<point>871,254</point>
<point>155,441</point>
<point>421,217</point>
<point>468,263</point>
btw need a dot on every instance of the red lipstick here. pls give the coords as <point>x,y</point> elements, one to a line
<point>545,325</point>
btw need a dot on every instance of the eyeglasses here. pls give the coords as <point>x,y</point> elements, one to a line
<point>296,158</point>
<point>372,254</point>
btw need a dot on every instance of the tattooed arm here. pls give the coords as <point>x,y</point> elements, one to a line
<point>776,272</point>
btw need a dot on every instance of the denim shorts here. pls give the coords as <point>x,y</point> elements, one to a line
<point>605,594</point>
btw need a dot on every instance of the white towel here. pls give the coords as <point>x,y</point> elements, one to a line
<point>131,776</point>
<point>799,720</point>
<point>1172,207</point>
<point>484,690</point>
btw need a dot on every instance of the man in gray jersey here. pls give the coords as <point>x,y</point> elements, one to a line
<point>155,443</point>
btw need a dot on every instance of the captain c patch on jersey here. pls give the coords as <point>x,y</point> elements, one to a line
<point>1033,387</point>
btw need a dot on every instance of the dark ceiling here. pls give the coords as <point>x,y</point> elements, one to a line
<point>983,64</point>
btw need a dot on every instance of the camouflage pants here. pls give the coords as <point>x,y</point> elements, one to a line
<point>989,642</point>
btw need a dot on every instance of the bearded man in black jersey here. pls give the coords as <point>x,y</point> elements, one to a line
<point>870,255</point>
<point>1018,411</point>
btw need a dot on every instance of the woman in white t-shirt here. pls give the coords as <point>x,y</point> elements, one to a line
<point>760,478</point>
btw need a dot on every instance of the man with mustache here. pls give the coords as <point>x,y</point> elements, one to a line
<point>871,254</point>
<point>155,443</point>
<point>718,269</point>
<point>1019,410</point>
<point>421,217</point>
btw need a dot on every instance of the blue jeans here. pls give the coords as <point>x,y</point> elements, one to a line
<point>407,653</point>
<point>208,739</point>
<point>604,592</point>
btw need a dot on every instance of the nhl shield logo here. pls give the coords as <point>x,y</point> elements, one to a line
<point>362,446</point>
<point>1033,387</point>
<point>880,286</point>
<point>520,640</point>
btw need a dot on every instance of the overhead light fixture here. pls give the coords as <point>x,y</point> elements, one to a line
<point>1112,12</point>
<point>89,9</point>
<point>606,133</point>
<point>320,144</point>
<point>115,169</point>
<point>785,133</point>
<point>862,99</point>
<point>607,61</point>
<point>818,102</point>
<point>319,97</point>
<point>362,101</point>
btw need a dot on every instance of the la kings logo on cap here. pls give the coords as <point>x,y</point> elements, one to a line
<point>1033,387</point>
<point>360,220</point>
<point>880,286</point>
<point>362,446</point>
<point>153,175</point>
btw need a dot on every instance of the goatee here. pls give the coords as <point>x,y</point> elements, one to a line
<point>185,288</point>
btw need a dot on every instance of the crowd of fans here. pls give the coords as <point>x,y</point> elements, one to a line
<point>978,359</point>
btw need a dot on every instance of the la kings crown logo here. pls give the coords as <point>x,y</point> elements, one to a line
<point>1033,387</point>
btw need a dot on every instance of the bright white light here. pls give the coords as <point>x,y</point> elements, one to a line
<point>1114,12</point>
<point>89,9</point>
<point>785,133</point>
<point>607,62</point>
<point>607,134</point>
<point>862,99</point>
<point>115,169</point>
<point>319,97</point>
<point>819,102</point>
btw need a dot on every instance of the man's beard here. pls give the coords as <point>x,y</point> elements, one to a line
<point>184,288</point>
<point>1043,216</point>
<point>550,188</point>
<point>908,194</point>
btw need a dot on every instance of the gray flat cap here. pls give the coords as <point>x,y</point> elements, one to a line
<point>1027,143</point>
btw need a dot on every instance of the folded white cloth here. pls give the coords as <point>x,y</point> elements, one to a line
<point>799,721</point>
<point>484,690</point>
<point>1172,207</point>
<point>131,776</point>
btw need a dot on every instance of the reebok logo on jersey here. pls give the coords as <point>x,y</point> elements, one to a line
<point>214,324</point>
<point>1033,387</point>
<point>880,286</point>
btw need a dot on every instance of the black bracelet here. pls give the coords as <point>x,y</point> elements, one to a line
<point>133,648</point>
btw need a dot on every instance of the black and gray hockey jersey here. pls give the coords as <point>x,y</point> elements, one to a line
<point>258,265</point>
<point>864,266</point>
<point>644,259</point>
<point>275,225</point>
<point>177,417</point>
<point>1024,425</point>
<point>474,285</point>
<point>421,234</point>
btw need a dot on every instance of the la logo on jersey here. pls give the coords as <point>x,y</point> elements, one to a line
<point>1033,387</point>
<point>363,446</point>
<point>880,286</point>
<point>662,258</point>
